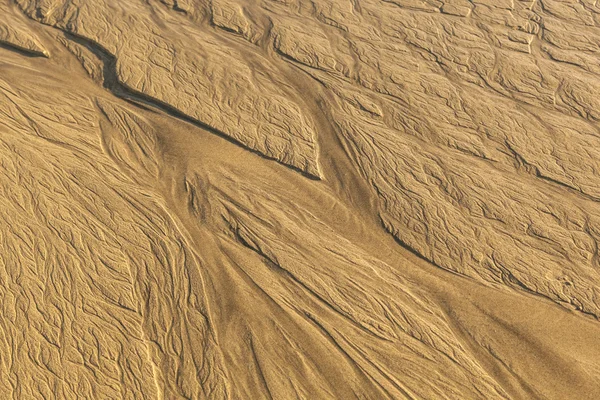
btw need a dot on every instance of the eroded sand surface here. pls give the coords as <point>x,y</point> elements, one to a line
<point>299,199</point>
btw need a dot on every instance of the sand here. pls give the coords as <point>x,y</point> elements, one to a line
<point>290,199</point>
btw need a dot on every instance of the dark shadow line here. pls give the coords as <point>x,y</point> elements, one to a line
<point>112,83</point>
<point>21,50</point>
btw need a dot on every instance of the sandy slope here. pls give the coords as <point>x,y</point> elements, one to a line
<point>299,199</point>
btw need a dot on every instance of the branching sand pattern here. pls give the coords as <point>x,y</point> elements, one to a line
<point>291,199</point>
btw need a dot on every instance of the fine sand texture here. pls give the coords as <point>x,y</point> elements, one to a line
<point>300,199</point>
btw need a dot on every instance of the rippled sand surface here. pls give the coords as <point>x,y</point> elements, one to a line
<point>299,199</point>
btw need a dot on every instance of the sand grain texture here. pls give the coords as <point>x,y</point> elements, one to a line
<point>292,199</point>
